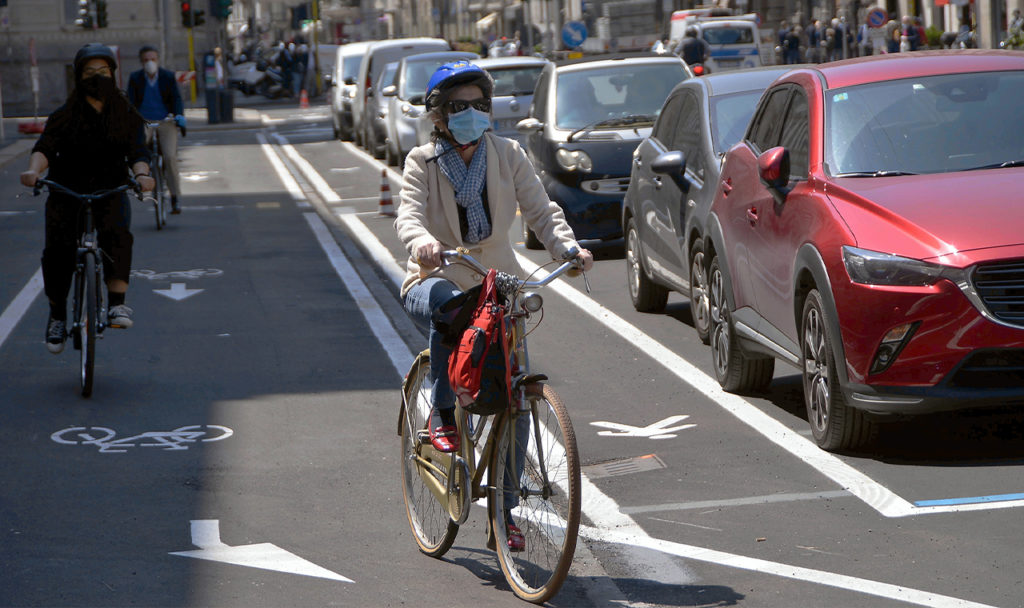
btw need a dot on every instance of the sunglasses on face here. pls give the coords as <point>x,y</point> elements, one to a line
<point>89,72</point>
<point>457,105</point>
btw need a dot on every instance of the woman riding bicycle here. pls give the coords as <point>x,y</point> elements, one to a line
<point>89,144</point>
<point>462,190</point>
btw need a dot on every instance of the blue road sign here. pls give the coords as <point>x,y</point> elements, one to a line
<point>877,17</point>
<point>574,33</point>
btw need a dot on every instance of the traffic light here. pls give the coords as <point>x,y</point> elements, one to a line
<point>186,14</point>
<point>221,9</point>
<point>101,13</point>
<point>198,18</point>
<point>84,19</point>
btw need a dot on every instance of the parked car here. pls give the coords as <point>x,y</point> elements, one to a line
<point>405,99</point>
<point>675,173</point>
<point>378,54</point>
<point>515,79</point>
<point>377,111</point>
<point>587,117</point>
<point>869,230</point>
<point>343,89</point>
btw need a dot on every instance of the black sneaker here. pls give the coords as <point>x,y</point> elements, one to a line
<point>175,209</point>
<point>56,334</point>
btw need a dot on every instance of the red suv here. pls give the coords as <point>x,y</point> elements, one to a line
<point>869,230</point>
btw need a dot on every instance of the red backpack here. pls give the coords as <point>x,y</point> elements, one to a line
<point>479,369</point>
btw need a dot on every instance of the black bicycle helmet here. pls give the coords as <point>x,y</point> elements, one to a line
<point>451,75</point>
<point>93,50</point>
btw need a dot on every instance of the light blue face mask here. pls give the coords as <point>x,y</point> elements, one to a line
<point>468,125</point>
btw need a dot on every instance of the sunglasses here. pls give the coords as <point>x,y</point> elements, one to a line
<point>457,105</point>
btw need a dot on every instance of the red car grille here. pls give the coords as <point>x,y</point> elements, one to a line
<point>1001,288</point>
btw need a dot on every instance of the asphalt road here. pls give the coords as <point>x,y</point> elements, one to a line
<point>253,411</point>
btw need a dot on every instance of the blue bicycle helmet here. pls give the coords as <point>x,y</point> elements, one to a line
<point>451,75</point>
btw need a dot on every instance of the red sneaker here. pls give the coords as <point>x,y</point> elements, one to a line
<point>516,540</point>
<point>445,438</point>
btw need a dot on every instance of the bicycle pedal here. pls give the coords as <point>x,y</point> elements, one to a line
<point>423,436</point>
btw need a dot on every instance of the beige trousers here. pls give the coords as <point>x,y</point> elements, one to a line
<point>169,148</point>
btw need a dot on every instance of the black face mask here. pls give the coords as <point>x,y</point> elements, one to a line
<point>98,87</point>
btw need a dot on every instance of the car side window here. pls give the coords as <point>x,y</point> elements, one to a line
<point>763,132</point>
<point>796,136</point>
<point>688,134</point>
<point>666,125</point>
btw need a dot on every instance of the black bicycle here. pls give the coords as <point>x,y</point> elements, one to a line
<point>89,308</point>
<point>161,192</point>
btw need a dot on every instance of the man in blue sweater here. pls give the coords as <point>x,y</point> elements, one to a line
<point>154,91</point>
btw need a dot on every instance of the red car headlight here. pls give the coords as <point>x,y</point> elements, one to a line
<point>876,268</point>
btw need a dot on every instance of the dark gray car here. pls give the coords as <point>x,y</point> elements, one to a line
<point>673,180</point>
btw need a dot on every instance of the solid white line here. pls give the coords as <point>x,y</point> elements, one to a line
<point>19,306</point>
<point>312,175</point>
<point>282,172</point>
<point>736,502</point>
<point>820,577</point>
<point>399,354</point>
<point>380,254</point>
<point>612,525</point>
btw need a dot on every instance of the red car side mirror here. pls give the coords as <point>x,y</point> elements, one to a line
<point>773,168</point>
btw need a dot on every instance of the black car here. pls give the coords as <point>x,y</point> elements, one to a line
<point>675,174</point>
<point>587,117</point>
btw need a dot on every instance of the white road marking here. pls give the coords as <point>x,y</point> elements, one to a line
<point>610,523</point>
<point>177,292</point>
<point>17,308</point>
<point>206,536</point>
<point>736,502</point>
<point>282,172</point>
<point>662,429</point>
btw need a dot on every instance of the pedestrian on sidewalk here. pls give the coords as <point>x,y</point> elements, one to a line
<point>154,92</point>
<point>89,144</point>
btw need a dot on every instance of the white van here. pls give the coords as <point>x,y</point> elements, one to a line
<point>343,86</point>
<point>735,42</point>
<point>378,54</point>
<point>683,18</point>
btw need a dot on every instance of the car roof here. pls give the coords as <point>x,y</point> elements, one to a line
<point>435,55</point>
<point>603,61</point>
<point>352,48</point>
<point>380,44</point>
<point>735,81</point>
<point>876,68</point>
<point>509,62</point>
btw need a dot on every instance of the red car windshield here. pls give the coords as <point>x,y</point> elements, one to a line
<point>935,124</point>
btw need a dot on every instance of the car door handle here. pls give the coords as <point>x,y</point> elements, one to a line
<point>727,186</point>
<point>657,182</point>
<point>752,215</point>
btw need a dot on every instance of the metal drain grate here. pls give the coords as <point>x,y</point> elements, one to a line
<point>626,466</point>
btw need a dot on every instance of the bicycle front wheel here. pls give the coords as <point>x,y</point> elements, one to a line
<point>88,322</point>
<point>159,199</point>
<point>424,471</point>
<point>535,478</point>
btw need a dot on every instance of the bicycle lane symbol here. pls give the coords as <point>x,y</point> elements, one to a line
<point>104,438</point>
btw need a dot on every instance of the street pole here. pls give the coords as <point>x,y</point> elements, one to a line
<point>192,64</point>
<point>316,44</point>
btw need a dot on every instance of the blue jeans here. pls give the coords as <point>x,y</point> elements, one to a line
<point>420,302</point>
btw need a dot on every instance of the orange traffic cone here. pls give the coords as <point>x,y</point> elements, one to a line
<point>386,208</point>
<point>303,100</point>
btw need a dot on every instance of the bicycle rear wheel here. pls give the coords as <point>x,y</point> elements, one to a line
<point>88,322</point>
<point>544,498</point>
<point>424,471</point>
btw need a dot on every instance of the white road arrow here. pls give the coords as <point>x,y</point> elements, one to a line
<point>206,536</point>
<point>178,291</point>
<point>659,430</point>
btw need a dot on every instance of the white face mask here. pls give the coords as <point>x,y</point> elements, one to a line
<point>150,67</point>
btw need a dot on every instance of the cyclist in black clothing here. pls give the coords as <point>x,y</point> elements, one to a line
<point>89,144</point>
<point>693,49</point>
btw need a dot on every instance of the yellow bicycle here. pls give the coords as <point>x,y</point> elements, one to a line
<point>523,460</point>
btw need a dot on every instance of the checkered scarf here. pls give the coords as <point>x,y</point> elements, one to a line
<point>468,183</point>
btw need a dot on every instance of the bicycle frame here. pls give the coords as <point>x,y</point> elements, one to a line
<point>157,168</point>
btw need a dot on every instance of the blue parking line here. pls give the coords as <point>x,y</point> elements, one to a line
<point>969,500</point>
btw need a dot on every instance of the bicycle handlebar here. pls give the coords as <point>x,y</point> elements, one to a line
<point>85,198</point>
<point>571,257</point>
